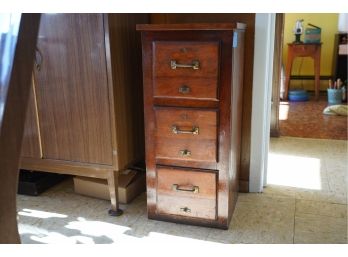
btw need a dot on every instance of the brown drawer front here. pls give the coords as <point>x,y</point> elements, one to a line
<point>186,193</point>
<point>186,134</point>
<point>198,88</point>
<point>182,59</point>
<point>303,50</point>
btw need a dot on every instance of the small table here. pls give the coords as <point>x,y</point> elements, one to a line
<point>303,50</point>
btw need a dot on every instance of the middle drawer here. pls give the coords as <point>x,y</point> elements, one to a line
<point>186,134</point>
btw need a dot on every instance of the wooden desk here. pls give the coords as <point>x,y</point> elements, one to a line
<point>303,50</point>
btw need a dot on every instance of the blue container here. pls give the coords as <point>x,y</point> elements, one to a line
<point>298,95</point>
<point>334,96</point>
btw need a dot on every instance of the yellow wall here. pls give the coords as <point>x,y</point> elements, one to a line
<point>328,24</point>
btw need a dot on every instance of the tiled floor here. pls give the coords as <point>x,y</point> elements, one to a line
<point>305,202</point>
<point>306,120</point>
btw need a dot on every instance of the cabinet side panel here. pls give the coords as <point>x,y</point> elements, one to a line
<point>125,47</point>
<point>236,119</point>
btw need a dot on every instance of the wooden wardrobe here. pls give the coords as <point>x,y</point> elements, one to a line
<point>85,114</point>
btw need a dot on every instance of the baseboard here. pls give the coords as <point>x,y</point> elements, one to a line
<point>243,186</point>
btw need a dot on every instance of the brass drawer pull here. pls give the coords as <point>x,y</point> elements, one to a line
<point>194,65</point>
<point>185,209</point>
<point>193,131</point>
<point>193,189</point>
<point>184,89</point>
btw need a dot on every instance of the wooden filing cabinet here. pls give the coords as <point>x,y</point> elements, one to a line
<point>192,75</point>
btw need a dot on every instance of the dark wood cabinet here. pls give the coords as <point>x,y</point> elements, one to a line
<point>193,83</point>
<point>340,57</point>
<point>85,111</point>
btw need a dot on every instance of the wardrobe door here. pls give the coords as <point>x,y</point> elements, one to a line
<point>72,89</point>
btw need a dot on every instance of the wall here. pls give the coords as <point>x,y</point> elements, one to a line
<point>328,23</point>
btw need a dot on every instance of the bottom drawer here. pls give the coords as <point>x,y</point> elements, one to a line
<point>186,193</point>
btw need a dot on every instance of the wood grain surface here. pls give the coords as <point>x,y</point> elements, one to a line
<point>201,204</point>
<point>202,147</point>
<point>87,97</point>
<point>31,146</point>
<point>228,121</point>
<point>249,20</point>
<point>186,88</point>
<point>72,89</point>
<point>14,95</point>
<point>205,53</point>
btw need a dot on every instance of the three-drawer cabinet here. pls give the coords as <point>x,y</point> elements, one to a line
<point>193,85</point>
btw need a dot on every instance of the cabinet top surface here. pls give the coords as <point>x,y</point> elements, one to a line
<point>191,26</point>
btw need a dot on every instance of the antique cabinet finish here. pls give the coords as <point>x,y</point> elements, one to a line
<point>85,110</point>
<point>192,77</point>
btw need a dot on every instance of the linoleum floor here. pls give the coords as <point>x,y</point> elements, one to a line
<point>304,202</point>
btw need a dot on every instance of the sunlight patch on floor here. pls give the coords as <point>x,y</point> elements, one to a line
<point>283,110</point>
<point>83,231</point>
<point>156,237</point>
<point>294,171</point>
<point>41,214</point>
<point>97,228</point>
<point>43,236</point>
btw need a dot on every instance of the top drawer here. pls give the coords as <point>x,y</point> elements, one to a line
<point>182,59</point>
<point>305,50</point>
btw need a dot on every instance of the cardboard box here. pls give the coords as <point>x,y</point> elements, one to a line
<point>130,184</point>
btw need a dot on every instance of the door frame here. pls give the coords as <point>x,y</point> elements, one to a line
<point>277,71</point>
<point>261,99</point>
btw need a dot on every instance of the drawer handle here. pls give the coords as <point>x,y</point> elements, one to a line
<point>185,209</point>
<point>193,189</point>
<point>194,65</point>
<point>184,89</point>
<point>193,131</point>
<point>185,153</point>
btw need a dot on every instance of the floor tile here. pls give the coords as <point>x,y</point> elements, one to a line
<point>321,208</point>
<point>144,227</point>
<point>259,219</point>
<point>312,228</point>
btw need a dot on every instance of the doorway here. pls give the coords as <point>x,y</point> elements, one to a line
<point>307,165</point>
<point>305,119</point>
